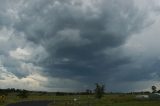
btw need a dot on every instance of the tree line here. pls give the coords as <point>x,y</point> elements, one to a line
<point>98,92</point>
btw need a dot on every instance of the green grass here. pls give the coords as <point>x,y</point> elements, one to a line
<point>84,100</point>
<point>109,100</point>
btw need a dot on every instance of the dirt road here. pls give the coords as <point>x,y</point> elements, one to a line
<point>31,103</point>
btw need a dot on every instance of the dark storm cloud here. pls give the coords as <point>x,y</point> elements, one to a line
<point>81,37</point>
<point>78,41</point>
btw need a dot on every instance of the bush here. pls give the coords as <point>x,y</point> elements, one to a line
<point>23,94</point>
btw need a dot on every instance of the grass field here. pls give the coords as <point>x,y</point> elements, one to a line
<point>84,100</point>
<point>110,100</point>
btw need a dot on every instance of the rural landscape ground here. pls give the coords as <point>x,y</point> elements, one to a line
<point>81,100</point>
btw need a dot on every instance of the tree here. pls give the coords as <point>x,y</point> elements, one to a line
<point>99,91</point>
<point>23,94</point>
<point>88,91</point>
<point>154,89</point>
<point>158,91</point>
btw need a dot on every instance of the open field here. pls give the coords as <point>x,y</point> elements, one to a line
<point>110,100</point>
<point>84,100</point>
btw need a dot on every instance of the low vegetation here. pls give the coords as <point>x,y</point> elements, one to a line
<point>88,98</point>
<point>83,100</point>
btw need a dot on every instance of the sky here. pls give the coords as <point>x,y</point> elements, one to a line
<point>69,45</point>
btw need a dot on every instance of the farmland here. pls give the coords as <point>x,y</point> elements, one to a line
<point>83,100</point>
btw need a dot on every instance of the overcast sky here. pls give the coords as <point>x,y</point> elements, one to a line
<point>68,45</point>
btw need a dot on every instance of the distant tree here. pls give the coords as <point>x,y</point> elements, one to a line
<point>99,91</point>
<point>23,94</point>
<point>154,89</point>
<point>158,91</point>
<point>88,91</point>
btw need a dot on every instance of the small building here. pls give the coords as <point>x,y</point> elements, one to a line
<point>150,96</point>
<point>154,96</point>
<point>142,97</point>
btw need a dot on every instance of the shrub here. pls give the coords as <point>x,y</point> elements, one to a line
<point>23,94</point>
<point>99,91</point>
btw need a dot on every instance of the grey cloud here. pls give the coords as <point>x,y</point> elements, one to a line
<point>80,35</point>
<point>81,40</point>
